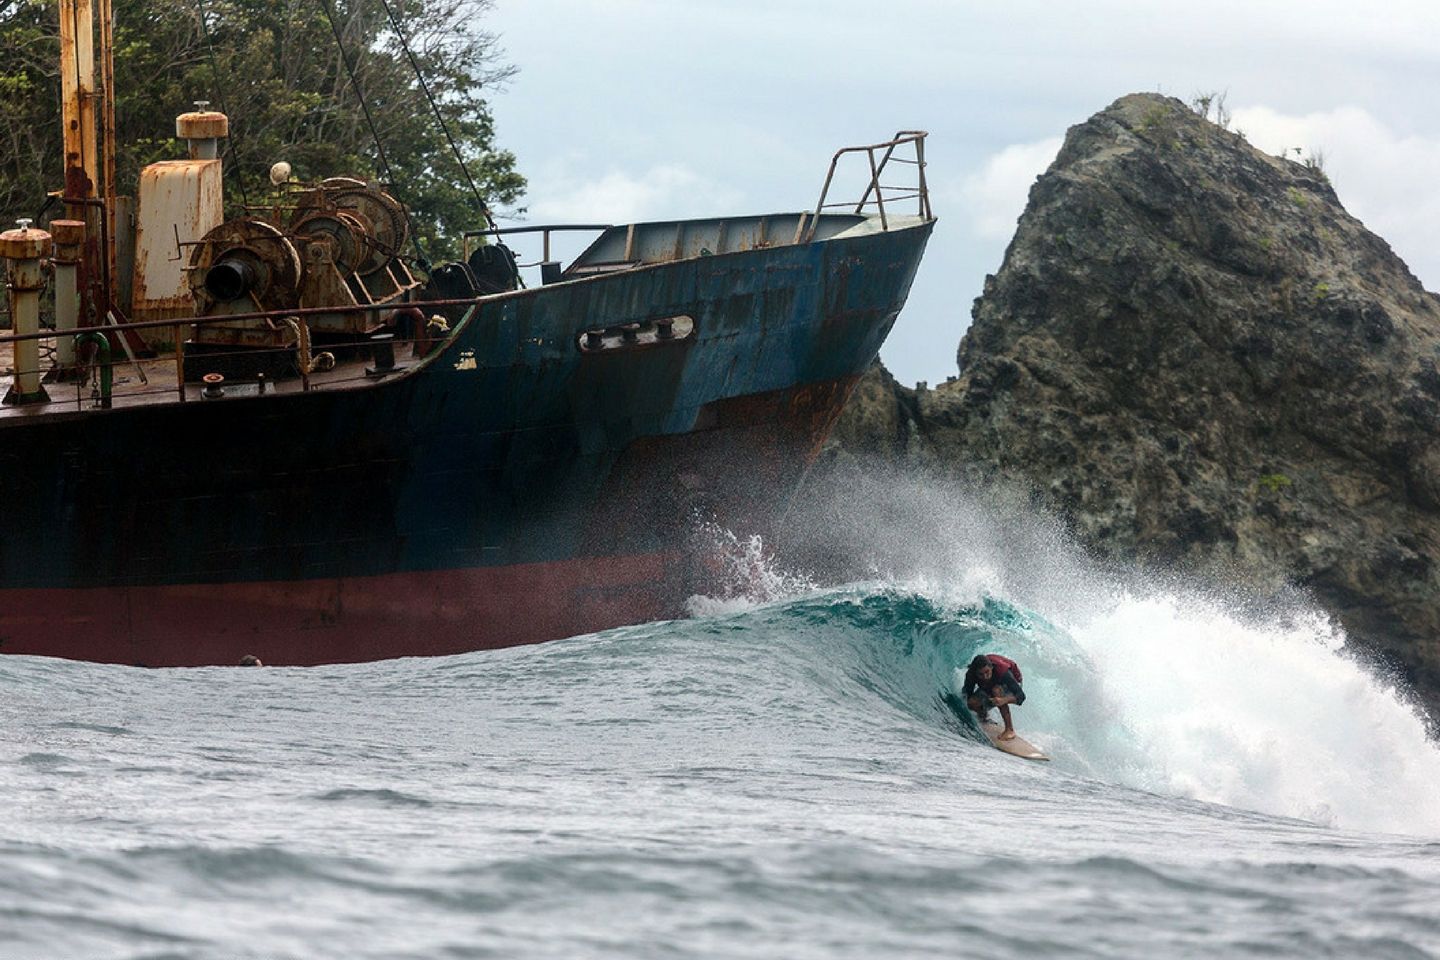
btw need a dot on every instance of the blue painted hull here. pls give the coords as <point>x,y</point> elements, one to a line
<point>507,450</point>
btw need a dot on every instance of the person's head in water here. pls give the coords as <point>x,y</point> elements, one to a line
<point>250,660</point>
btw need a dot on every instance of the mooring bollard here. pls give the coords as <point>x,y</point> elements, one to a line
<point>24,248</point>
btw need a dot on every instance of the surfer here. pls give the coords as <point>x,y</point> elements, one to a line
<point>993,681</point>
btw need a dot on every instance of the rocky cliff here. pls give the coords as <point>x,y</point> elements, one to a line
<point>1200,361</point>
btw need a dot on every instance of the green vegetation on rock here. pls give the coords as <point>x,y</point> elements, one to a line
<point>1273,482</point>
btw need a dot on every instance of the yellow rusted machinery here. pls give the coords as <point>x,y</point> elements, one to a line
<point>338,247</point>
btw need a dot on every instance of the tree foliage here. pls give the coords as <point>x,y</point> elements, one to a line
<point>29,115</point>
<point>275,68</point>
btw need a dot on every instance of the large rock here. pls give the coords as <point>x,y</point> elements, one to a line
<point>1201,361</point>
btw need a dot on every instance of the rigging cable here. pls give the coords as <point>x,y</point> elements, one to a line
<point>233,145</point>
<point>435,107</point>
<point>424,262</point>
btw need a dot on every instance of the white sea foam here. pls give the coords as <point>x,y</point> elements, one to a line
<point>1180,697</point>
<point>744,575</point>
<point>1158,686</point>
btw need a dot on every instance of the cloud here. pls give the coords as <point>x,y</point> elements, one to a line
<point>994,197</point>
<point>661,192</point>
<point>1384,177</point>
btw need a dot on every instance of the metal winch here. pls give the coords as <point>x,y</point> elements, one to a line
<point>340,247</point>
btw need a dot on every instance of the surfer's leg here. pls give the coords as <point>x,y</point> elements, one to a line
<point>980,703</point>
<point>1009,732</point>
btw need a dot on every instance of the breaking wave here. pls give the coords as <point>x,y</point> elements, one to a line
<point>1140,685</point>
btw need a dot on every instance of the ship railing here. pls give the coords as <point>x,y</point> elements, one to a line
<point>548,263</point>
<point>876,193</point>
<point>107,368</point>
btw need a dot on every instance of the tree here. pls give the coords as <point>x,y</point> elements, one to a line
<point>29,107</point>
<point>275,68</point>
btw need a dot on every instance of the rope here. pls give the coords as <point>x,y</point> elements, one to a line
<point>374,133</point>
<point>307,362</point>
<point>439,118</point>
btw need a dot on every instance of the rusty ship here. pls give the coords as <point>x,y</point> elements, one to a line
<point>271,434</point>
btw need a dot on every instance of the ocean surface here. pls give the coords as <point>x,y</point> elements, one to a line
<point>780,776</point>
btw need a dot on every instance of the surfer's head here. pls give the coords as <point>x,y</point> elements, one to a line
<point>980,668</point>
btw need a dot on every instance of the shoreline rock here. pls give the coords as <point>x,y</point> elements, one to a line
<point>1202,363</point>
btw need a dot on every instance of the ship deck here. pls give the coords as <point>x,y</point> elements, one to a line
<point>149,381</point>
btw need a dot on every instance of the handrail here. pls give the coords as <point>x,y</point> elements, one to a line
<point>805,232</point>
<point>103,365</point>
<point>50,334</point>
<point>306,364</point>
<point>545,229</point>
<point>299,315</point>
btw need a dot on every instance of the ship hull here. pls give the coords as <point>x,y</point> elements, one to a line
<point>511,488</point>
<point>342,620</point>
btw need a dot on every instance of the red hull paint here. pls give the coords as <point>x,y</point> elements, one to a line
<point>303,623</point>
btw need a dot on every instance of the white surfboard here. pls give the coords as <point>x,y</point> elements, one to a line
<point>1017,746</point>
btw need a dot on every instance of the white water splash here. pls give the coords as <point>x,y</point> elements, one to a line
<point>1157,686</point>
<point>744,575</point>
<point>1180,697</point>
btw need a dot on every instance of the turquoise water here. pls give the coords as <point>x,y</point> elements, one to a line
<point>776,778</point>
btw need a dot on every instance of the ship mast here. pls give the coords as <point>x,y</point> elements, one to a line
<point>106,11</point>
<point>89,191</point>
<point>77,105</point>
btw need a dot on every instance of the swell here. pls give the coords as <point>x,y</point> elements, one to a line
<point>1131,692</point>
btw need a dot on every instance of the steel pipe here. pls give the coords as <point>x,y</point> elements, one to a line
<point>69,247</point>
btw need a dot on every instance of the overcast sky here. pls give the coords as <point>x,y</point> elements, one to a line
<point>652,109</point>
